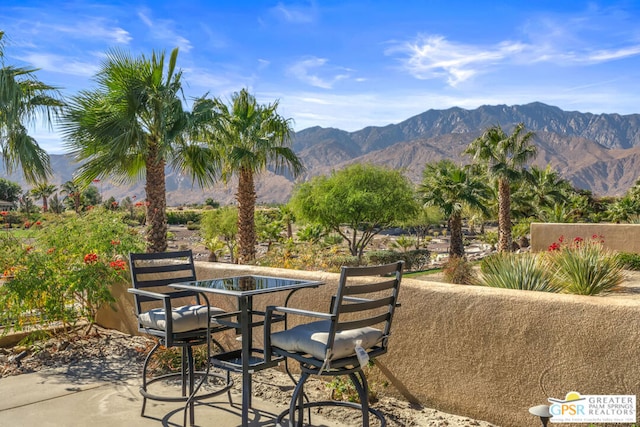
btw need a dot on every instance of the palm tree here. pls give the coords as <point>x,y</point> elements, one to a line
<point>451,188</point>
<point>250,138</point>
<point>544,188</point>
<point>133,126</point>
<point>505,157</point>
<point>71,189</point>
<point>23,98</point>
<point>43,191</point>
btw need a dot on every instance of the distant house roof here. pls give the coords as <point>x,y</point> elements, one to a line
<point>5,205</point>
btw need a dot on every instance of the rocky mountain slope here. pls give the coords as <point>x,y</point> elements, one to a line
<point>599,152</point>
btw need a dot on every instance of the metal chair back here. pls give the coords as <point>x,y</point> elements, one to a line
<point>372,303</point>
<point>154,271</point>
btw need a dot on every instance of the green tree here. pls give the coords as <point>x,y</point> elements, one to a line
<point>505,157</point>
<point>26,204</point>
<point>268,227</point>
<point>357,203</point>
<point>250,138</point>
<point>43,191</point>
<point>623,209</point>
<point>223,224</point>
<point>91,196</point>
<point>72,190</point>
<point>451,187</point>
<point>544,188</point>
<point>134,125</point>
<point>56,206</point>
<point>23,98</point>
<point>9,190</point>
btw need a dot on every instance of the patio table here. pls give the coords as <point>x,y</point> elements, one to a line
<point>247,359</point>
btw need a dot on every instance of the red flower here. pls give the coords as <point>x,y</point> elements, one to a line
<point>51,250</point>
<point>4,213</point>
<point>554,247</point>
<point>561,239</point>
<point>38,223</point>
<point>115,242</point>
<point>118,264</point>
<point>90,258</point>
<point>578,240</point>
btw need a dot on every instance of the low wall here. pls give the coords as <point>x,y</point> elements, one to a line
<point>490,353</point>
<point>618,237</point>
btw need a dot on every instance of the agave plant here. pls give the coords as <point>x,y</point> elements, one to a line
<point>517,271</point>
<point>587,269</point>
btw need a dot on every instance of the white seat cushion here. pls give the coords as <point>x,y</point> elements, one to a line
<point>185,318</point>
<point>311,338</point>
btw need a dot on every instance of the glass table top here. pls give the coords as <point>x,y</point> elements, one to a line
<point>248,285</point>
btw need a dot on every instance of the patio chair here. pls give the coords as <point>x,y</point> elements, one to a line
<point>191,323</point>
<point>356,329</point>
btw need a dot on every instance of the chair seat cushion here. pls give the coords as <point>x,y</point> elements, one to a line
<point>185,318</point>
<point>311,338</point>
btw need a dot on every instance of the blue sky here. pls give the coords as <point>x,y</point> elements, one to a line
<point>353,63</point>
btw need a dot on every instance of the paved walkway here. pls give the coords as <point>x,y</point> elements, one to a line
<point>60,398</point>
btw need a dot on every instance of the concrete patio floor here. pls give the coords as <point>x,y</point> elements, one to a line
<point>55,398</point>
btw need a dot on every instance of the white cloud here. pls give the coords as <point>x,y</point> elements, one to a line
<point>60,64</point>
<point>434,56</point>
<point>92,28</point>
<point>308,70</point>
<point>162,29</point>
<point>611,55</point>
<point>296,14</point>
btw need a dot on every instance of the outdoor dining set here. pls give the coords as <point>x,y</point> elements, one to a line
<point>181,311</point>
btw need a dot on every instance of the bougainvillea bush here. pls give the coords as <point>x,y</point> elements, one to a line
<point>64,271</point>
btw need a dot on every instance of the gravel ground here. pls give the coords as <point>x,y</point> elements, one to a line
<point>113,356</point>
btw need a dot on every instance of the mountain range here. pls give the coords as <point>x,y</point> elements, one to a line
<point>597,152</point>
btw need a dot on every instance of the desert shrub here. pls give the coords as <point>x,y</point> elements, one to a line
<point>459,270</point>
<point>382,257</point>
<point>192,226</point>
<point>517,271</point>
<point>416,259</point>
<point>332,240</point>
<point>586,268</point>
<point>182,217</point>
<point>337,261</point>
<point>629,261</point>
<point>65,270</point>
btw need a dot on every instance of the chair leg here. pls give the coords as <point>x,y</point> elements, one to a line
<point>229,391</point>
<point>297,402</point>
<point>144,376</point>
<point>362,387</point>
<point>183,370</point>
<point>190,374</point>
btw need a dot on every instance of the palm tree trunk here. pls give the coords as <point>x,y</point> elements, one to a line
<point>456,247</point>
<point>504,216</point>
<point>45,206</point>
<point>246,198</point>
<point>155,189</point>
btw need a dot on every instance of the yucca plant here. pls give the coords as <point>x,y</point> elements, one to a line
<point>587,268</point>
<point>517,271</point>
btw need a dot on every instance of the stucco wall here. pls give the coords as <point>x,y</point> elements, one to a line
<point>619,237</point>
<point>490,353</point>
